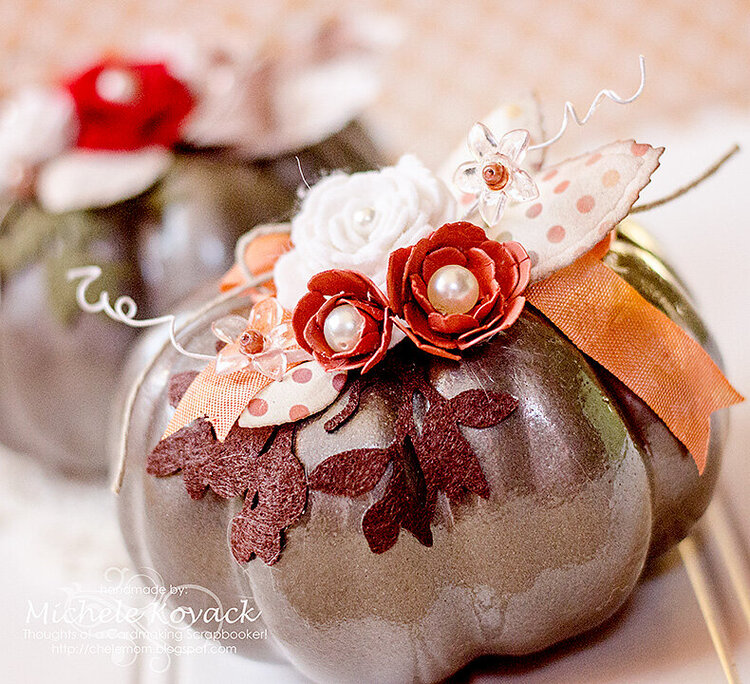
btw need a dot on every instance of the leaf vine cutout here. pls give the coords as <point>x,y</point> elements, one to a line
<point>428,454</point>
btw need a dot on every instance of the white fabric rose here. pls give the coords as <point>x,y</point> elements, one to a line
<point>36,124</point>
<point>355,221</point>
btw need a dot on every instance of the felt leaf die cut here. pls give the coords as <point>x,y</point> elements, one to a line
<point>303,391</point>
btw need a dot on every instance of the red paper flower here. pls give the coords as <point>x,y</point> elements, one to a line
<point>124,106</point>
<point>479,295</point>
<point>343,321</point>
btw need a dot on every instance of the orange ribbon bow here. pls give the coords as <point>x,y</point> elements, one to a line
<point>612,323</point>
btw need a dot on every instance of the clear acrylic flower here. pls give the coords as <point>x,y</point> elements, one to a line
<point>264,342</point>
<point>496,175</point>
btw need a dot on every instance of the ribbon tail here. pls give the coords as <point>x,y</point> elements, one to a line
<point>609,321</point>
<point>219,398</point>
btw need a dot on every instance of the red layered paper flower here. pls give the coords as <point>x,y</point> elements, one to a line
<point>123,106</point>
<point>336,288</point>
<point>501,271</point>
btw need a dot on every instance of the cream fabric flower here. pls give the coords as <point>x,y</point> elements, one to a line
<point>355,221</point>
<point>36,124</point>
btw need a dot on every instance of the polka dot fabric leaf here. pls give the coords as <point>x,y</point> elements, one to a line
<point>580,201</point>
<point>304,391</point>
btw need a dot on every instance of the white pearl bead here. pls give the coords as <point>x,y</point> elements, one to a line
<point>342,328</point>
<point>364,216</point>
<point>453,289</point>
<point>116,85</point>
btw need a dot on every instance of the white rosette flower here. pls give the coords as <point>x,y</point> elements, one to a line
<point>355,221</point>
<point>36,124</point>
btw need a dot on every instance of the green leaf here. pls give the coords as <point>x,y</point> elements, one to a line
<point>28,233</point>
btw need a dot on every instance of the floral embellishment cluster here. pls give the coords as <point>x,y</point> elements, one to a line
<point>264,342</point>
<point>354,222</point>
<point>448,292</point>
<point>172,93</point>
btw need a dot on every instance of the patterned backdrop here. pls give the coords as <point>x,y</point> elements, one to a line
<point>455,60</point>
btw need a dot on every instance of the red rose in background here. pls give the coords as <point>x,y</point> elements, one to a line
<point>123,106</point>
<point>456,288</point>
<point>343,321</point>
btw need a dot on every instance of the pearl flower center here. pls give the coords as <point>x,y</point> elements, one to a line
<point>116,85</point>
<point>453,289</point>
<point>342,328</point>
<point>364,217</point>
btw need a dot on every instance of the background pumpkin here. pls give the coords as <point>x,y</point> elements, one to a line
<point>585,485</point>
<point>57,367</point>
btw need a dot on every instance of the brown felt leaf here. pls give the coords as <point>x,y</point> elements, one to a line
<point>446,458</point>
<point>170,455</point>
<point>178,385</point>
<point>227,468</point>
<point>480,409</point>
<point>275,499</point>
<point>423,461</point>
<point>206,463</point>
<point>350,473</point>
<point>402,505</point>
<point>349,410</point>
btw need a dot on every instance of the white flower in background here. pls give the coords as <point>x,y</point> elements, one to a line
<point>355,221</point>
<point>90,179</point>
<point>272,96</point>
<point>36,124</point>
<point>496,175</point>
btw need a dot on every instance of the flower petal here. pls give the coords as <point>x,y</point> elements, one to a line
<point>439,258</point>
<point>468,178</point>
<point>483,267</point>
<point>491,206</point>
<point>425,346</point>
<point>229,328</point>
<point>290,275</point>
<point>387,333</point>
<point>453,324</point>
<point>522,187</point>
<point>417,321</point>
<point>305,312</point>
<point>517,251</point>
<point>419,292</point>
<point>230,359</point>
<point>266,315</point>
<point>396,282</point>
<point>481,141</point>
<point>340,282</point>
<point>513,144</point>
<point>272,364</point>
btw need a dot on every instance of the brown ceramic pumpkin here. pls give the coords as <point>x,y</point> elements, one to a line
<point>585,484</point>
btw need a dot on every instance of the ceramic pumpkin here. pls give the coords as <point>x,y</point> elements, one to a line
<point>449,441</point>
<point>585,484</point>
<point>158,207</point>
